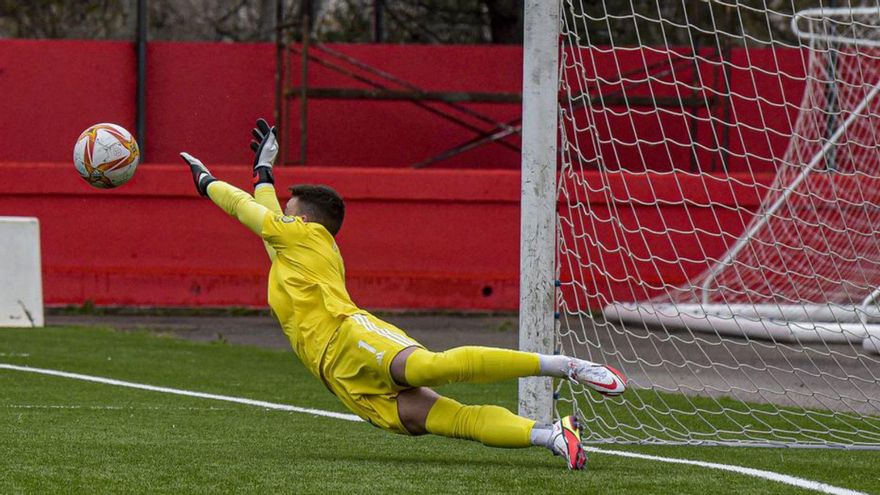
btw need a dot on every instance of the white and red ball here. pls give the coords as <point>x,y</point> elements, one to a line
<point>106,155</point>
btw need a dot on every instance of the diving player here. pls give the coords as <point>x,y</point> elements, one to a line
<point>373,367</point>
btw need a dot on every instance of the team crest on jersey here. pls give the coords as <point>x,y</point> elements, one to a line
<point>287,219</point>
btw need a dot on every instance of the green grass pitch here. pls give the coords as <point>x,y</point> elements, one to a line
<point>63,435</point>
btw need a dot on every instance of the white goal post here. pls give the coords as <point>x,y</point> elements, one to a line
<point>538,193</point>
<point>717,218</point>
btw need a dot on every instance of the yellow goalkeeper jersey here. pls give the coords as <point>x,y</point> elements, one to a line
<point>306,285</point>
<point>307,280</point>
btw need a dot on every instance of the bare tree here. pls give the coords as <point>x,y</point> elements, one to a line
<point>425,21</point>
<point>696,23</point>
<point>506,20</point>
<point>406,21</point>
<point>91,19</point>
<point>218,20</point>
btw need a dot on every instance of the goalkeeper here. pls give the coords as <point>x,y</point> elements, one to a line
<point>374,368</point>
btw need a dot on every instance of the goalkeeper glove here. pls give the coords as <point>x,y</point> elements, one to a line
<point>201,175</point>
<point>265,146</point>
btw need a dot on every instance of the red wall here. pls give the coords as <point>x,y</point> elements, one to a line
<point>399,134</point>
<point>204,97</point>
<point>411,239</point>
<point>628,237</point>
<point>750,134</point>
<point>427,239</point>
<point>60,88</point>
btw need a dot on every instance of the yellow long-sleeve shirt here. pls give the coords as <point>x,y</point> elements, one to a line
<point>307,279</point>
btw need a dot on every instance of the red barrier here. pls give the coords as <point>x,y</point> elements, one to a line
<point>426,239</point>
<point>632,236</point>
<point>204,97</point>
<point>765,87</point>
<point>411,239</point>
<point>61,88</point>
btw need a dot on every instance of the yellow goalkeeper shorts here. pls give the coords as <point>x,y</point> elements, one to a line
<point>357,368</point>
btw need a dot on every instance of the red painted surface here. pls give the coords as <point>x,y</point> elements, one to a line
<point>644,138</point>
<point>399,134</point>
<point>631,237</point>
<point>428,239</point>
<point>61,87</point>
<point>411,239</point>
<point>204,97</point>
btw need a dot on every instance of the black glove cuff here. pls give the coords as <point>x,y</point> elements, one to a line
<point>263,175</point>
<point>203,185</point>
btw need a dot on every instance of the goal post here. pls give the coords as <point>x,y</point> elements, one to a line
<point>717,224</point>
<point>538,199</point>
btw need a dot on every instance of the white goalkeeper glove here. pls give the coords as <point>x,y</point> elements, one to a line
<point>265,146</point>
<point>201,175</point>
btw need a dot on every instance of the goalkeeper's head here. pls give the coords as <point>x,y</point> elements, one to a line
<point>317,203</point>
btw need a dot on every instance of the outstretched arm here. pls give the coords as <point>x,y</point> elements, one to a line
<point>231,199</point>
<point>265,147</point>
<point>240,205</point>
<point>264,194</point>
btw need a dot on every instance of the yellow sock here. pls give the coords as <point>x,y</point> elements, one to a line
<point>490,425</point>
<point>469,364</point>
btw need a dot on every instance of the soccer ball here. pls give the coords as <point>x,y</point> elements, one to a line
<point>106,155</point>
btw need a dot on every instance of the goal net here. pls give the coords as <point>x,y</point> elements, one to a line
<point>718,220</point>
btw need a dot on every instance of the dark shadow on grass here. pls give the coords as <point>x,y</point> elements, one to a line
<point>383,457</point>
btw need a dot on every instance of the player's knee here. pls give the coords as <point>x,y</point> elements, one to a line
<point>400,363</point>
<point>413,406</point>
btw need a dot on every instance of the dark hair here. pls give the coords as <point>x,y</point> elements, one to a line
<point>321,204</point>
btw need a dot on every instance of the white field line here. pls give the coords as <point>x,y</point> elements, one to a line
<point>113,408</point>
<point>238,400</point>
<point>758,473</point>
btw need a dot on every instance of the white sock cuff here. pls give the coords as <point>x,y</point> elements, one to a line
<point>541,435</point>
<point>554,365</point>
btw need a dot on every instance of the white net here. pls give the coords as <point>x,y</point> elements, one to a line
<point>719,219</point>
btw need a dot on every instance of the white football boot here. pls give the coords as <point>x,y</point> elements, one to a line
<point>566,443</point>
<point>599,377</point>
